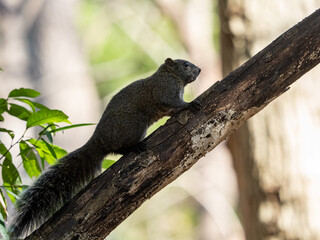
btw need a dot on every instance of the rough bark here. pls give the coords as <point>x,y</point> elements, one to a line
<point>186,137</point>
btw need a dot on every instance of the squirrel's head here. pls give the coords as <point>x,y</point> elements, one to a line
<point>185,70</point>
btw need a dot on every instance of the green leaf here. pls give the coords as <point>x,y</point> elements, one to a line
<point>49,136</point>
<point>32,104</point>
<point>10,132</point>
<point>24,92</point>
<point>4,151</point>
<point>11,179</point>
<point>46,116</point>
<point>29,160</point>
<point>3,230</point>
<point>39,105</point>
<point>19,112</point>
<point>71,126</point>
<point>45,156</point>
<point>3,105</point>
<point>15,195</point>
<point>1,69</point>
<point>45,130</point>
<point>27,101</point>
<point>45,153</point>
<point>107,163</point>
<point>50,148</point>
<point>3,207</point>
<point>3,108</point>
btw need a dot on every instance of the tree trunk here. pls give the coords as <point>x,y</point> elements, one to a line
<point>176,146</point>
<point>274,153</point>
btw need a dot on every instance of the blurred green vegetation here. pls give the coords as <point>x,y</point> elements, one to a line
<point>173,218</point>
<point>117,58</point>
<point>115,41</point>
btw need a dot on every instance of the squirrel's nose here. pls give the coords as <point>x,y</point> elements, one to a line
<point>199,70</point>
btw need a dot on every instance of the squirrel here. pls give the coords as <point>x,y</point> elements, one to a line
<point>121,129</point>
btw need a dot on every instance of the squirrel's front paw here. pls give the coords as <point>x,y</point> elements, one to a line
<point>195,105</point>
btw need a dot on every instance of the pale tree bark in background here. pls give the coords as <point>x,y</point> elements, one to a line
<point>14,58</point>
<point>63,76</point>
<point>212,182</point>
<point>40,49</point>
<point>276,154</point>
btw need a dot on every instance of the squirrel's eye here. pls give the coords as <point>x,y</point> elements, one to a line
<point>186,64</point>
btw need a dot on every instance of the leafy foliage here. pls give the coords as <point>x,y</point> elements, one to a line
<point>34,152</point>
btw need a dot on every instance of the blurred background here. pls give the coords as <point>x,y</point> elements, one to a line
<point>262,183</point>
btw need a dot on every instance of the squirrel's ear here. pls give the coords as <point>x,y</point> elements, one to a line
<point>169,62</point>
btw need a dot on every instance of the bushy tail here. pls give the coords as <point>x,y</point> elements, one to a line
<point>52,190</point>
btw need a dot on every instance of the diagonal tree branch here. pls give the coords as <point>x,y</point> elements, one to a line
<point>186,137</point>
